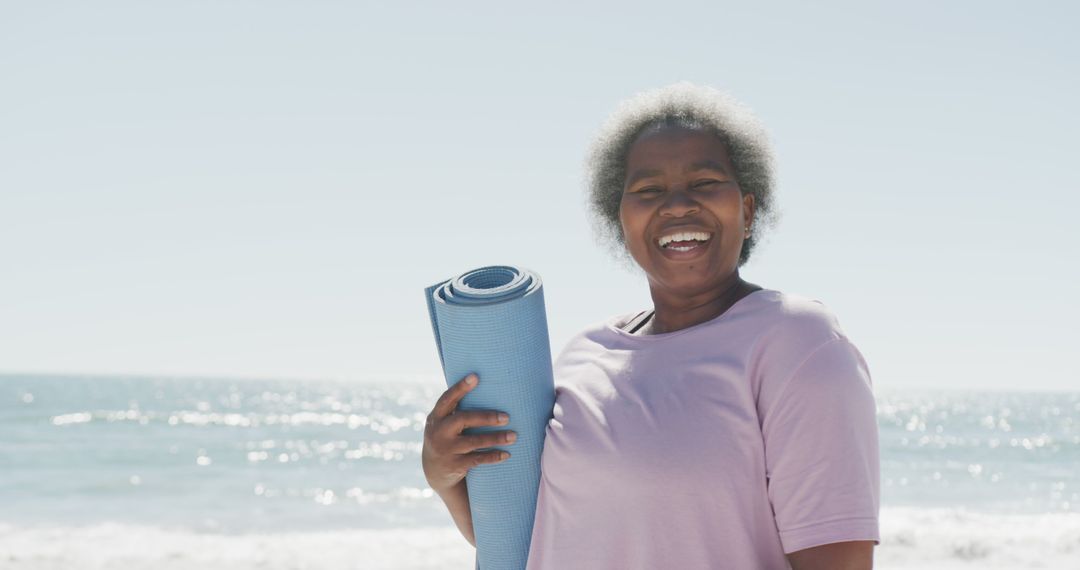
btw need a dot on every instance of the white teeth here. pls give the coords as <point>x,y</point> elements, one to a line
<point>683,236</point>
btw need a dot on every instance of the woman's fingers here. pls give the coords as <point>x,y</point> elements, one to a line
<point>481,457</point>
<point>476,418</point>
<point>450,398</point>
<point>446,423</point>
<point>467,443</point>
<point>448,454</point>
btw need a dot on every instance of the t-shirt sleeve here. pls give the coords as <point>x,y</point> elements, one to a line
<point>821,451</point>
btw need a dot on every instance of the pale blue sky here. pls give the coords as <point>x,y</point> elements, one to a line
<point>265,188</point>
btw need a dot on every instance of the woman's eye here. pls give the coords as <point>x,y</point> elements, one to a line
<point>703,183</point>
<point>649,189</point>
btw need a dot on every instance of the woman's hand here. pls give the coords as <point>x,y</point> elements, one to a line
<point>448,454</point>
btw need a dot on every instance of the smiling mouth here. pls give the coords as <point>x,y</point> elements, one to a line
<point>684,241</point>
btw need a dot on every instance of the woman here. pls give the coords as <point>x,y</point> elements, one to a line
<point>731,426</point>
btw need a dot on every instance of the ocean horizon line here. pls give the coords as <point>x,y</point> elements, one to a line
<point>437,377</point>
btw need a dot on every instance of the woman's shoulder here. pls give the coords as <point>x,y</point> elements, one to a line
<point>772,313</point>
<point>772,308</point>
<point>768,313</point>
<point>799,327</point>
<point>596,338</point>
<point>791,313</point>
<point>794,323</point>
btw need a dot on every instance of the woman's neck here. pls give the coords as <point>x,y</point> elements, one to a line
<point>675,312</point>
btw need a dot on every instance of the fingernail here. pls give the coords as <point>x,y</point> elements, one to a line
<point>504,455</point>
<point>511,437</point>
<point>503,418</point>
<point>470,379</point>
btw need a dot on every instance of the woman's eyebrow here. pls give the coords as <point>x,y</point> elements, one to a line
<point>707,164</point>
<point>638,175</point>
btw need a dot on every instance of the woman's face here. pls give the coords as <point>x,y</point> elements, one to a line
<point>680,181</point>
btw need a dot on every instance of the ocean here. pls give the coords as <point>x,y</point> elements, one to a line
<point>171,473</point>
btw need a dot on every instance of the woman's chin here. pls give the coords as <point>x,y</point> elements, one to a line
<point>685,279</point>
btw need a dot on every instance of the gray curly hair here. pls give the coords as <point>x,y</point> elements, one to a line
<point>685,105</point>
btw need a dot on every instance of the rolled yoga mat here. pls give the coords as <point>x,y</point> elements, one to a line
<point>492,321</point>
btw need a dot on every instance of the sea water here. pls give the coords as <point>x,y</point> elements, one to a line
<point>164,473</point>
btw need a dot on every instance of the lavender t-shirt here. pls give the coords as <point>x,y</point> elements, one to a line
<point>722,445</point>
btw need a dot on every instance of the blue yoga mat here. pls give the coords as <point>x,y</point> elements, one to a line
<point>491,321</point>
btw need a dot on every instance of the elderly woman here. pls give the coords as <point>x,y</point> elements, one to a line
<point>730,426</point>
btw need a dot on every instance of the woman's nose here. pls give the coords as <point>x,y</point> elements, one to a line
<point>678,204</point>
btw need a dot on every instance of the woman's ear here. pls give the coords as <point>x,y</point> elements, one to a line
<point>748,209</point>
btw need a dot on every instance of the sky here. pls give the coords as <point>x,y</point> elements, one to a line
<point>263,189</point>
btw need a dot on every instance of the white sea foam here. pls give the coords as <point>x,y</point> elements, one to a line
<point>110,545</point>
<point>932,539</point>
<point>923,539</point>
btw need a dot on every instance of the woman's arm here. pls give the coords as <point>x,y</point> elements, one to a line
<point>457,502</point>
<point>851,555</point>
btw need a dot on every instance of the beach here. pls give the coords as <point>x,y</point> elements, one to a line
<point>110,472</point>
